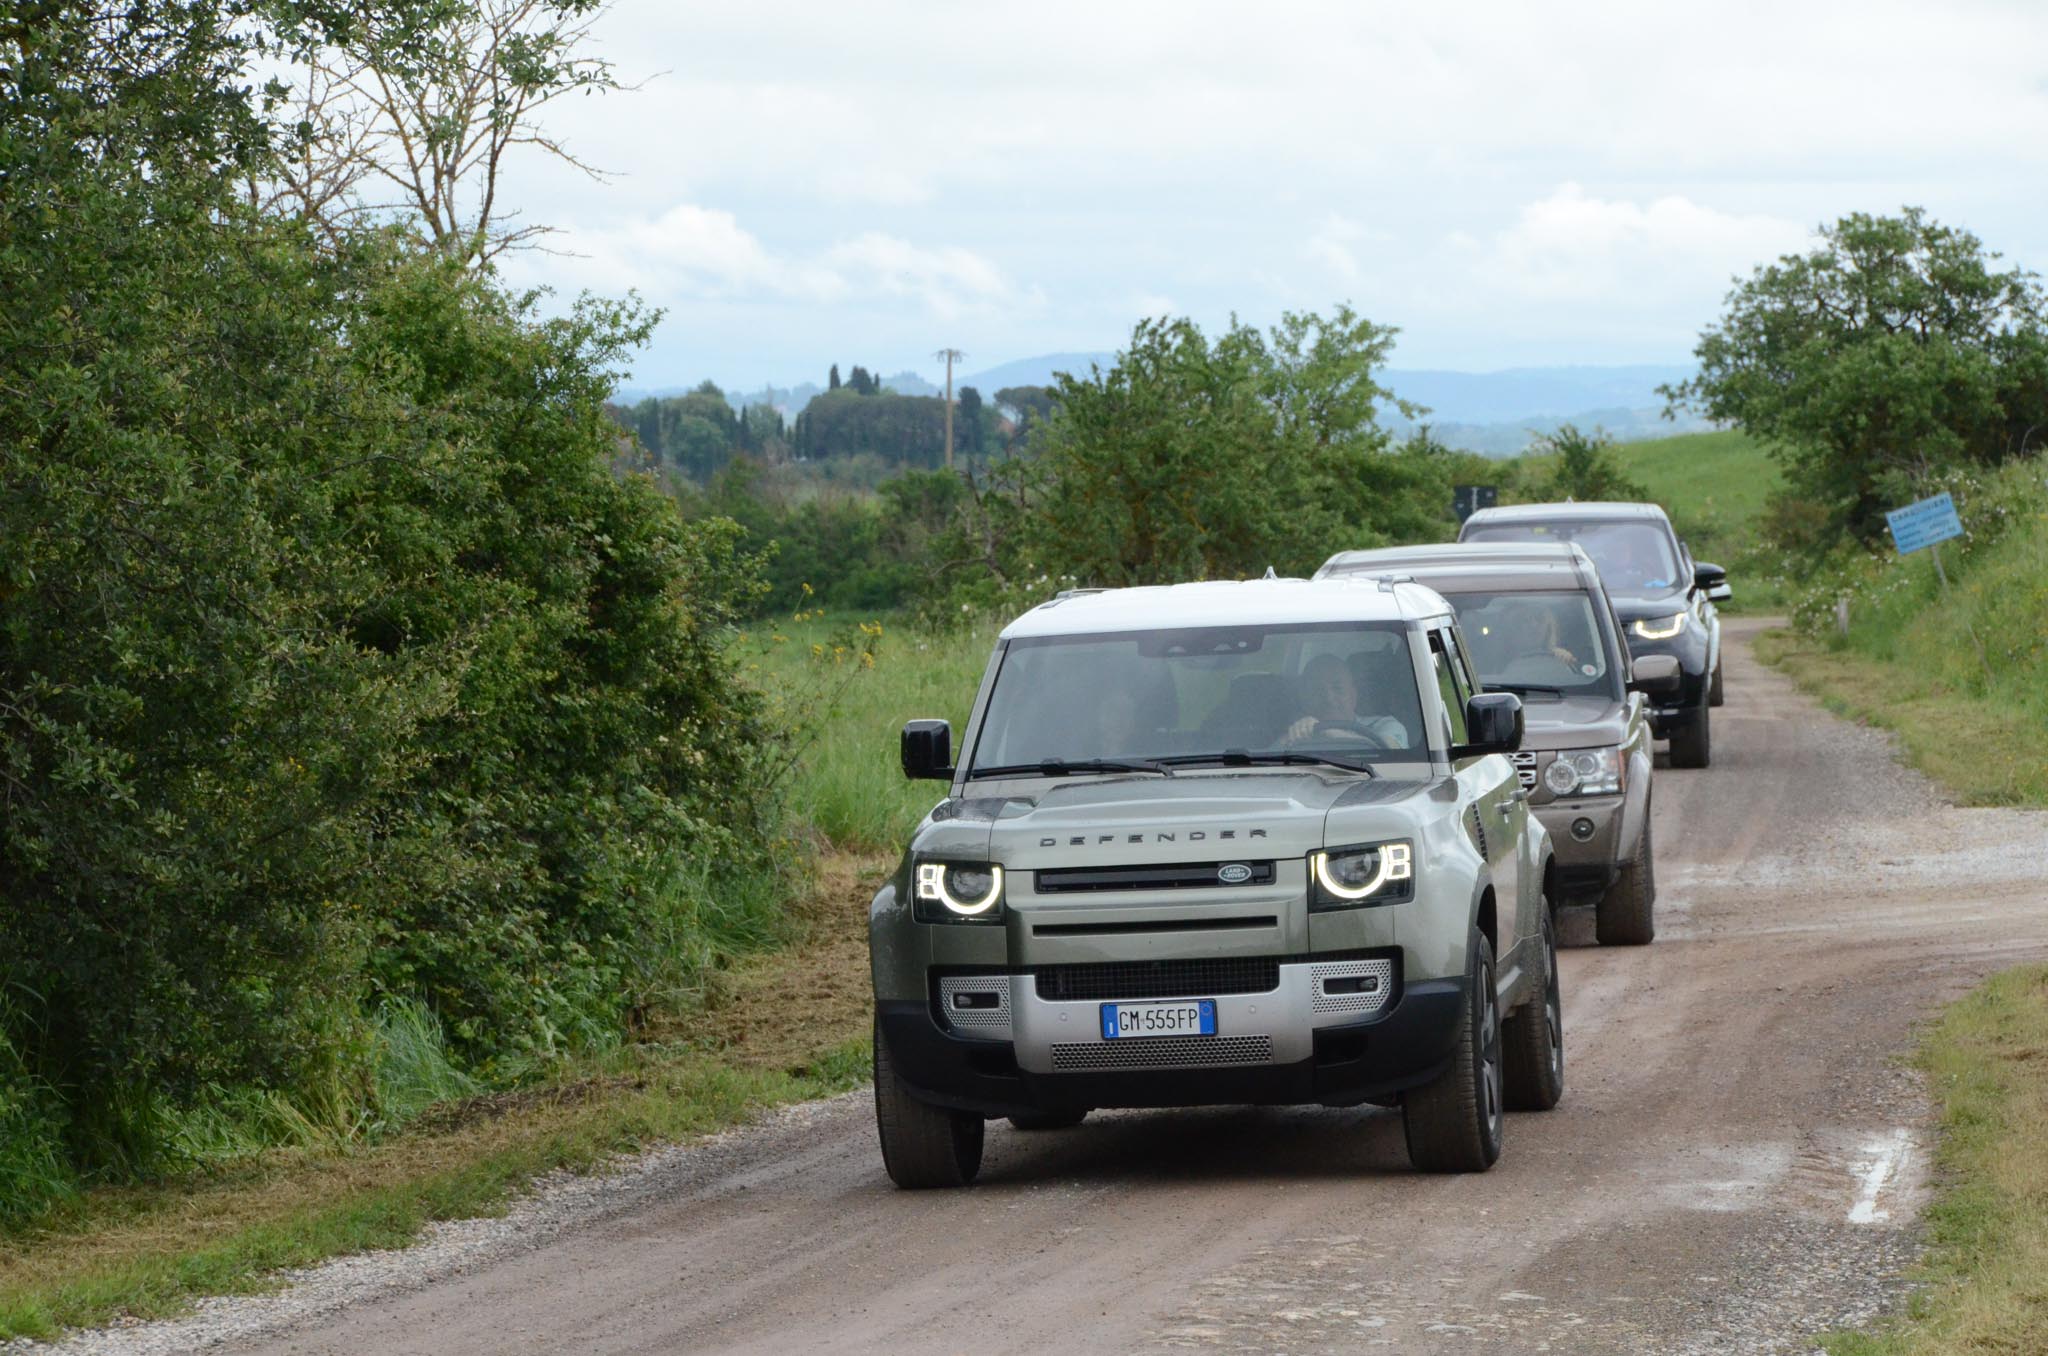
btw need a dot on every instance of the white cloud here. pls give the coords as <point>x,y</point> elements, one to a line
<point>1574,247</point>
<point>700,253</point>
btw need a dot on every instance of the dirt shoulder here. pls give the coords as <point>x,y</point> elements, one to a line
<point>784,1026</point>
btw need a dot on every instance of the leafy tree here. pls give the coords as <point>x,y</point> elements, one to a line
<point>908,430</point>
<point>1893,350</point>
<point>1193,458</point>
<point>833,380</point>
<point>973,434</point>
<point>1030,405</point>
<point>336,662</point>
<point>414,108</point>
<point>1585,467</point>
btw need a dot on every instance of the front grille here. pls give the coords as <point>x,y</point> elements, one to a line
<point>1163,1052</point>
<point>1173,876</point>
<point>1525,768</point>
<point>1159,979</point>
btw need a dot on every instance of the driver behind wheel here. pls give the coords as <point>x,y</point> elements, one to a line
<point>1331,701</point>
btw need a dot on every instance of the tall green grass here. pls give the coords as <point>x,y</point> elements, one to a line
<point>35,1172</point>
<point>845,778</point>
<point>1961,673</point>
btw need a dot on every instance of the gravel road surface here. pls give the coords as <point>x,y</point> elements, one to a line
<point>1737,1163</point>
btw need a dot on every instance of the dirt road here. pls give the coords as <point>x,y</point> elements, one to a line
<point>1737,1160</point>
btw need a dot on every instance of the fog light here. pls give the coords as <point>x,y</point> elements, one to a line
<point>1582,829</point>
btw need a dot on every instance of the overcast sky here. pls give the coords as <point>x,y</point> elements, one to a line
<point>1509,183</point>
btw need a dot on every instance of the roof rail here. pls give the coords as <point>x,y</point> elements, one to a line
<point>1065,594</point>
<point>1388,580</point>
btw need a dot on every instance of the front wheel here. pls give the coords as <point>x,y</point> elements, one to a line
<point>1716,695</point>
<point>1532,1038</point>
<point>1626,915</point>
<point>1454,1123</point>
<point>922,1145</point>
<point>1690,742</point>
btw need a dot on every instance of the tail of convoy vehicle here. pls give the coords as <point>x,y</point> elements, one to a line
<point>1541,626</point>
<point>1219,843</point>
<point>1666,598</point>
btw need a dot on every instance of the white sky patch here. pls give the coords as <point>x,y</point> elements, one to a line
<point>1506,183</point>
<point>692,253</point>
<point>1572,246</point>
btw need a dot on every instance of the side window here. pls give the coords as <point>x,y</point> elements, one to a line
<point>1447,686</point>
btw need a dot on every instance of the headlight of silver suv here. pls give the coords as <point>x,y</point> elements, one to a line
<point>1371,873</point>
<point>1584,772</point>
<point>957,892</point>
<point>1660,628</point>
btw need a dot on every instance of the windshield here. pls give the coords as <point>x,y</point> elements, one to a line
<point>1633,556</point>
<point>1535,640</point>
<point>1344,690</point>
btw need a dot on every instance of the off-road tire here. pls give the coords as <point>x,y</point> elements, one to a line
<point>1627,914</point>
<point>1532,1037</point>
<point>1047,1120</point>
<point>1715,693</point>
<point>1691,745</point>
<point>922,1145</point>
<point>1454,1123</point>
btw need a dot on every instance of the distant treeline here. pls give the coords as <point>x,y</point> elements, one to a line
<point>858,419</point>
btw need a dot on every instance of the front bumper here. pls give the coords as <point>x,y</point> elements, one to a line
<point>1585,866</point>
<point>1289,1045</point>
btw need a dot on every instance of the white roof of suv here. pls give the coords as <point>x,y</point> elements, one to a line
<point>1249,602</point>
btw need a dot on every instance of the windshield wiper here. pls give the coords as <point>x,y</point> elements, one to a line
<point>1278,758</point>
<point>1061,767</point>
<point>1524,689</point>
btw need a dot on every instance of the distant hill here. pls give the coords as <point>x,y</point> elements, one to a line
<point>1031,371</point>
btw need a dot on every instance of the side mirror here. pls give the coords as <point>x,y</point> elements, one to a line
<point>1706,578</point>
<point>1654,673</point>
<point>928,750</point>
<point>1493,722</point>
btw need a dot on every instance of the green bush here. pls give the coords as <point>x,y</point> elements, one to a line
<point>336,666</point>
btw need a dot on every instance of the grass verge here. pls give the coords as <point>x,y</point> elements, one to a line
<point>1986,1270</point>
<point>1985,749</point>
<point>148,1251</point>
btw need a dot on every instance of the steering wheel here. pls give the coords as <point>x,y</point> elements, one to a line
<point>1350,729</point>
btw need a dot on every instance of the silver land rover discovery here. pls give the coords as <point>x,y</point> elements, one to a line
<point>1218,843</point>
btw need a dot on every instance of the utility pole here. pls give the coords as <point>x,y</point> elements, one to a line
<point>950,356</point>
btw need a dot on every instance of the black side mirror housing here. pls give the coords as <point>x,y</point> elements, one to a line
<point>1707,578</point>
<point>1656,673</point>
<point>928,750</point>
<point>1493,723</point>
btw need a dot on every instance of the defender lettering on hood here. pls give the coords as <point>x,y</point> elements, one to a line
<point>1192,836</point>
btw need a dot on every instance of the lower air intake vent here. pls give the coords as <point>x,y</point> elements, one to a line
<point>1159,979</point>
<point>1163,1052</point>
<point>976,1005</point>
<point>1352,986</point>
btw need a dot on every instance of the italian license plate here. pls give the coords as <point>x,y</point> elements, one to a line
<point>1176,1017</point>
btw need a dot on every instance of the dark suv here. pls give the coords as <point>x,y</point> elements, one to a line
<point>1663,596</point>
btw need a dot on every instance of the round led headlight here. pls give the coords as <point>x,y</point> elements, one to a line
<point>1354,874</point>
<point>1561,778</point>
<point>962,889</point>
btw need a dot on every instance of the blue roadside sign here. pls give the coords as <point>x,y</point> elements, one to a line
<point>1924,523</point>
